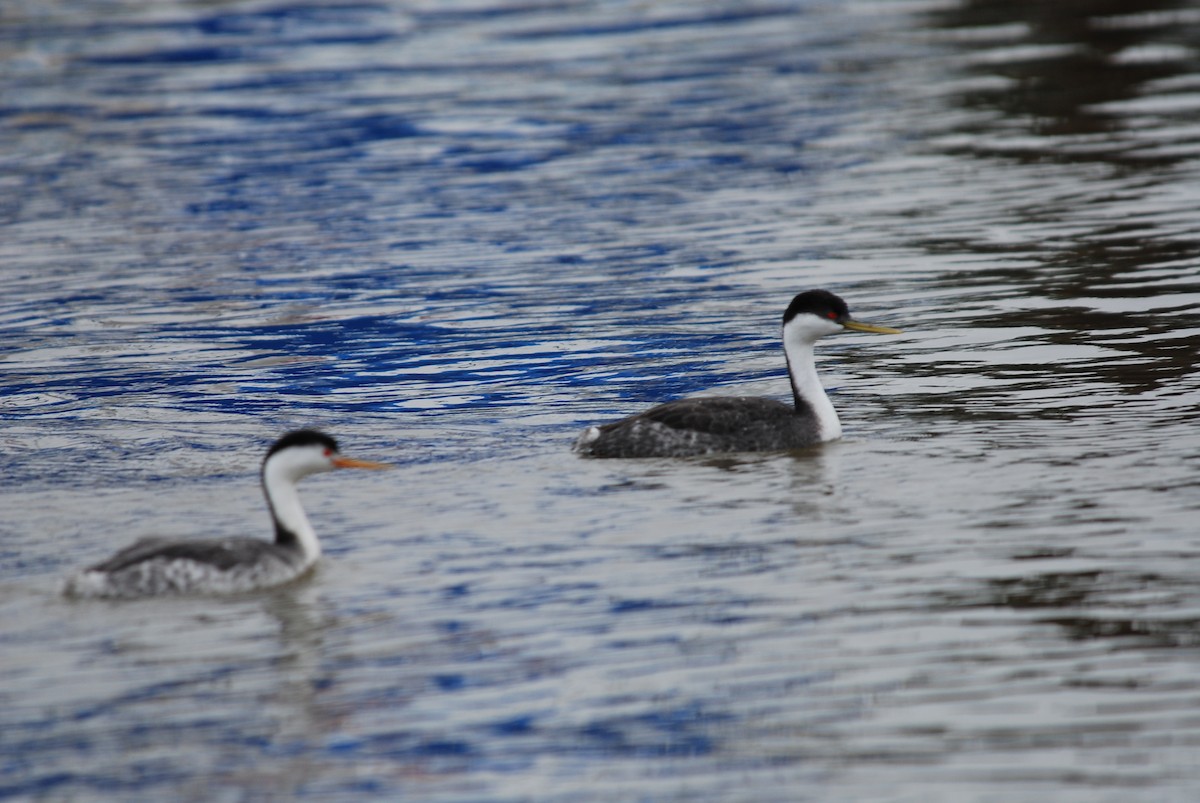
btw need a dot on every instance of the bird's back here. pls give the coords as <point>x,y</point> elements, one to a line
<point>706,425</point>
<point>157,566</point>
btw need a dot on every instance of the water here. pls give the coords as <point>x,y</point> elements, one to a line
<point>453,235</point>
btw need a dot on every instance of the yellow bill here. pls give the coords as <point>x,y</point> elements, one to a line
<point>858,326</point>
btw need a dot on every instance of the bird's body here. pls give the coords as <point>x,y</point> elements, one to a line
<point>703,426</point>
<point>160,566</point>
<point>157,566</point>
<point>711,425</point>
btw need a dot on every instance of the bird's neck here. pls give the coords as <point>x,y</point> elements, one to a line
<point>291,524</point>
<point>807,389</point>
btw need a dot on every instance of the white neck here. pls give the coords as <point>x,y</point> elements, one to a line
<point>279,484</point>
<point>798,340</point>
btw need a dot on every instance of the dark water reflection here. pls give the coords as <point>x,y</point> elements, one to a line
<point>453,235</point>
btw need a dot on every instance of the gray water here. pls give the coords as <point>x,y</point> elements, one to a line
<point>454,234</point>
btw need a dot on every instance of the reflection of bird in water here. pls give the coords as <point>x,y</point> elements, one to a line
<point>155,566</point>
<point>708,425</point>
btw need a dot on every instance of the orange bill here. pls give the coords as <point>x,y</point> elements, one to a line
<point>350,462</point>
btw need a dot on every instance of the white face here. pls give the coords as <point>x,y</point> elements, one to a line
<point>297,462</point>
<point>807,328</point>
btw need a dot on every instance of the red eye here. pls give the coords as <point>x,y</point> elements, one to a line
<point>328,452</point>
<point>831,316</point>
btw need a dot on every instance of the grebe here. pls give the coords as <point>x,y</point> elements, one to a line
<point>709,425</point>
<point>158,566</point>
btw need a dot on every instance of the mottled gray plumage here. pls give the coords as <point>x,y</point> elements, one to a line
<point>221,555</point>
<point>158,566</point>
<point>704,426</point>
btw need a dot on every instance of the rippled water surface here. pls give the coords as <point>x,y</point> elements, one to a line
<point>453,234</point>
